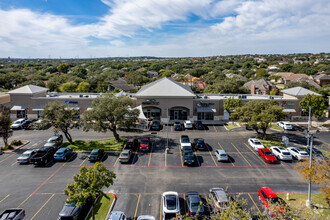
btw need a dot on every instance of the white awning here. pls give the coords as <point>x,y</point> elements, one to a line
<point>289,110</point>
<point>89,108</point>
<point>206,109</point>
<point>38,108</point>
<point>141,115</point>
<point>73,108</point>
<point>18,108</point>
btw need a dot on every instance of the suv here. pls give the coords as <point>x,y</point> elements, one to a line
<point>55,141</point>
<point>270,200</point>
<point>184,141</point>
<point>188,124</point>
<point>198,125</point>
<point>188,157</point>
<point>177,126</point>
<point>219,199</point>
<point>96,155</point>
<point>132,144</point>
<point>145,144</point>
<point>199,144</point>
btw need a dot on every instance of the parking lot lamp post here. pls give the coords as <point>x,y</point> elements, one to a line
<point>167,130</point>
<point>309,202</point>
<point>309,124</point>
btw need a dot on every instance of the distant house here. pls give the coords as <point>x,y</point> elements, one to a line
<point>121,84</point>
<point>190,80</point>
<point>151,74</point>
<point>309,81</point>
<point>322,79</point>
<point>259,87</point>
<point>175,76</point>
<point>288,77</point>
<point>273,67</point>
<point>233,75</point>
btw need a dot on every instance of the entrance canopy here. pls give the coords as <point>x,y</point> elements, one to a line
<point>289,110</point>
<point>37,108</point>
<point>18,108</point>
<point>206,109</point>
<point>141,115</point>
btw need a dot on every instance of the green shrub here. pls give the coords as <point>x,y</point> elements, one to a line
<point>16,143</point>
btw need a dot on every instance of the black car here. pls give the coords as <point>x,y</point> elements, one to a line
<point>194,204</point>
<point>27,123</point>
<point>96,155</point>
<point>198,125</point>
<point>188,157</point>
<point>199,144</point>
<point>155,126</point>
<point>132,143</point>
<point>177,126</point>
<point>316,153</point>
<point>71,211</point>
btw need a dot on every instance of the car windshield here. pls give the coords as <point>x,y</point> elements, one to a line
<point>59,153</point>
<point>200,141</point>
<point>94,153</point>
<point>25,155</point>
<point>188,154</point>
<point>194,205</point>
<point>223,155</point>
<point>257,143</point>
<point>303,153</point>
<point>171,202</point>
<point>268,154</point>
<point>17,122</point>
<point>185,140</point>
<point>144,142</point>
<point>286,153</point>
<point>274,201</point>
<point>52,141</point>
<point>124,154</point>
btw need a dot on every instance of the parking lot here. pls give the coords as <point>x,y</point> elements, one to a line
<point>141,182</point>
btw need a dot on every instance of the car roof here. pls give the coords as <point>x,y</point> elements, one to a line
<point>145,138</point>
<point>265,149</point>
<point>125,151</point>
<point>220,193</point>
<point>61,149</point>
<point>270,193</point>
<point>96,150</point>
<point>28,151</point>
<point>221,151</point>
<point>144,217</point>
<point>114,215</point>
<point>130,140</point>
<point>192,193</point>
<point>170,193</point>
<point>254,139</point>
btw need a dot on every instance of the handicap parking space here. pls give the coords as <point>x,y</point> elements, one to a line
<point>127,203</point>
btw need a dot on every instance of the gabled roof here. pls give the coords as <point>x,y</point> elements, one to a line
<point>122,84</point>
<point>165,87</point>
<point>28,89</point>
<point>298,91</point>
<point>260,84</point>
<point>322,77</point>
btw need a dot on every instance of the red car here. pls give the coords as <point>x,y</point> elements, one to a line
<point>267,155</point>
<point>271,201</point>
<point>145,144</point>
<point>132,144</point>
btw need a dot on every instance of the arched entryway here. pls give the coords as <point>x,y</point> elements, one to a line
<point>179,113</point>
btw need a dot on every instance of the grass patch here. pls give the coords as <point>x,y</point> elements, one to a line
<point>107,145</point>
<point>281,86</point>
<point>275,127</point>
<point>298,201</point>
<point>102,206</point>
<point>231,126</point>
<point>272,142</point>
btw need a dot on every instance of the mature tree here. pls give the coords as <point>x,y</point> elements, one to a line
<point>317,103</point>
<point>319,173</point>
<point>62,117</point>
<point>274,91</point>
<point>5,131</point>
<point>80,72</point>
<point>68,87</point>
<point>226,86</point>
<point>63,67</point>
<point>109,112</point>
<point>230,105</point>
<point>88,184</point>
<point>83,87</point>
<point>259,114</point>
<point>262,73</point>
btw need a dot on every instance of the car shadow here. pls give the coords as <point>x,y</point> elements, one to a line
<point>199,161</point>
<point>183,206</point>
<point>230,159</point>
<point>209,148</point>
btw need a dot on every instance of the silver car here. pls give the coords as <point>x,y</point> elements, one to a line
<point>26,156</point>
<point>117,215</point>
<point>219,199</point>
<point>146,217</point>
<point>221,155</point>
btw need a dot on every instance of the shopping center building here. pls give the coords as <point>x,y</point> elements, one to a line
<point>161,99</point>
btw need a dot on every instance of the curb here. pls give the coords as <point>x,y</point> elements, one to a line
<point>113,203</point>
<point>11,151</point>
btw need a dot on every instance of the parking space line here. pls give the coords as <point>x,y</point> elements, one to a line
<point>4,198</point>
<point>161,207</point>
<point>215,128</point>
<point>116,162</point>
<point>83,161</point>
<point>7,158</point>
<point>165,156</point>
<point>171,128</point>
<point>254,153</point>
<point>184,203</point>
<point>241,154</point>
<point>220,146</point>
<point>212,157</point>
<point>181,157</point>
<point>150,153</point>
<point>254,203</point>
<point>24,201</point>
<point>137,206</point>
<point>42,207</point>
<point>14,163</point>
<point>133,158</point>
<point>197,159</point>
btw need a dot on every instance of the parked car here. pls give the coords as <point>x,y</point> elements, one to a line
<point>267,155</point>
<point>194,204</point>
<point>73,212</point>
<point>269,199</point>
<point>96,155</point>
<point>188,157</point>
<point>125,156</point>
<point>171,204</point>
<point>55,141</point>
<point>281,153</point>
<point>187,124</point>
<point>199,144</point>
<point>218,198</point>
<point>27,123</point>
<point>145,144</point>
<point>284,125</point>
<point>43,156</point>
<point>18,124</point>
<point>255,143</point>
<point>13,214</point>
<point>146,217</point>
<point>184,141</point>
<point>177,126</point>
<point>155,126</point>
<point>221,155</point>
<point>316,153</point>
<point>132,144</point>
<point>63,153</point>
<point>117,215</point>
<point>26,156</point>
<point>198,125</point>
<point>298,153</point>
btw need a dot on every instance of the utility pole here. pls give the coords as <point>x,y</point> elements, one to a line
<point>309,124</point>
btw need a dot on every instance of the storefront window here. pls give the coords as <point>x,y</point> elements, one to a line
<point>205,116</point>
<point>20,113</point>
<point>178,115</point>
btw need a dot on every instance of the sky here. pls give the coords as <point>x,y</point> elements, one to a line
<point>162,28</point>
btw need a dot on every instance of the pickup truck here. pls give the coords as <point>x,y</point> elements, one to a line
<point>43,155</point>
<point>13,214</point>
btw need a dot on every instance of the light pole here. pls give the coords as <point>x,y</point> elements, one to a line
<point>309,123</point>
<point>167,130</point>
<point>310,144</point>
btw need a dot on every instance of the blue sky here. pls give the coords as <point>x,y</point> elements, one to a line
<point>167,28</point>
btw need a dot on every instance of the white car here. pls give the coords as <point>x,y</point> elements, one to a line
<point>297,153</point>
<point>117,215</point>
<point>221,155</point>
<point>281,153</point>
<point>146,217</point>
<point>187,124</point>
<point>184,141</point>
<point>284,125</point>
<point>171,204</point>
<point>255,144</point>
<point>18,123</point>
